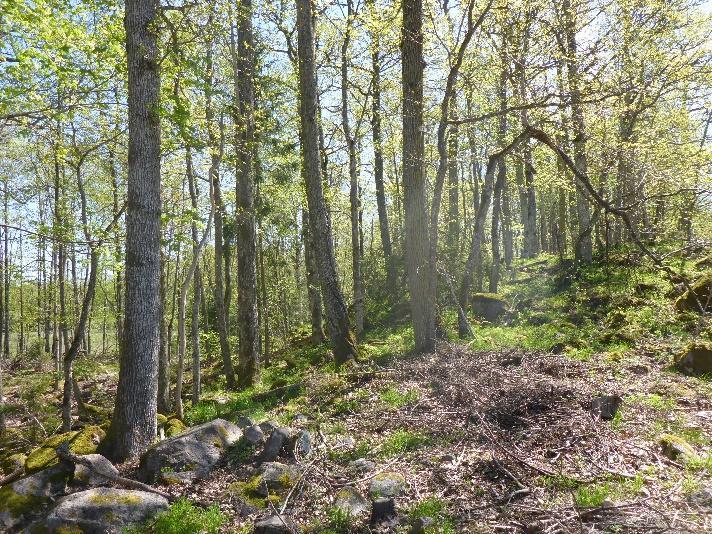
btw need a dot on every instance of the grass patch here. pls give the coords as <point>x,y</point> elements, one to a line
<point>594,495</point>
<point>435,509</point>
<point>395,399</point>
<point>183,517</point>
<point>654,401</point>
<point>402,441</point>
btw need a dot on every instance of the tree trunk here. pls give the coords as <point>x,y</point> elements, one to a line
<point>164,387</point>
<point>185,286</point>
<point>417,237</point>
<point>340,334</point>
<point>353,177</point>
<point>496,212</point>
<point>246,238</point>
<point>584,243</point>
<point>453,188</point>
<point>358,297</point>
<point>383,226</point>
<point>313,294</point>
<point>216,150</point>
<point>133,426</point>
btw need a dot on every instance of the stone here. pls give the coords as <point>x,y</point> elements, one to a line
<point>300,418</point>
<point>278,439</point>
<point>102,471</point>
<point>702,498</point>
<point>386,485</point>
<point>275,477</point>
<point>276,524</point>
<point>243,422</point>
<point>606,406</point>
<point>675,448</point>
<point>106,510</point>
<point>696,358</point>
<point>383,511</point>
<point>190,455</point>
<point>268,427</point>
<point>422,525</point>
<point>25,499</point>
<point>362,465</point>
<point>489,306</point>
<point>84,441</point>
<point>351,502</point>
<point>301,444</point>
<point>557,348</point>
<point>700,290</point>
<point>254,435</point>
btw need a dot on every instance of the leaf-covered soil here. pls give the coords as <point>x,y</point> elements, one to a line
<point>501,442</point>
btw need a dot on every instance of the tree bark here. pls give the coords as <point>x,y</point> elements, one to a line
<point>417,236</point>
<point>133,426</point>
<point>340,334</point>
<point>584,243</point>
<point>246,238</point>
<point>383,225</point>
<point>353,177</point>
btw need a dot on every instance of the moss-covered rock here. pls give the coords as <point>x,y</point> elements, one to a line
<point>696,358</point>
<point>174,426</point>
<point>386,485</point>
<point>675,448</point>
<point>191,454</point>
<point>700,291</point>
<point>27,498</point>
<point>489,306</point>
<point>102,510</point>
<point>12,462</point>
<point>275,478</point>
<point>82,441</point>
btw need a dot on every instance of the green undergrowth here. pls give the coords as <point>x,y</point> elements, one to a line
<point>603,309</point>
<point>436,510</point>
<point>183,517</point>
<point>593,495</point>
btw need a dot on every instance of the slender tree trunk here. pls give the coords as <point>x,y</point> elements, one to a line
<point>246,238</point>
<point>133,425</point>
<point>164,387</point>
<point>383,226</point>
<point>496,217</point>
<point>353,177</point>
<point>216,150</point>
<point>185,286</point>
<point>21,295</point>
<point>453,187</point>
<point>266,347</point>
<point>6,272</point>
<point>584,243</point>
<point>340,334</point>
<point>195,311</point>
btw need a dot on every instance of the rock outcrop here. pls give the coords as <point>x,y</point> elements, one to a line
<point>489,306</point>
<point>190,455</point>
<point>696,359</point>
<point>106,510</point>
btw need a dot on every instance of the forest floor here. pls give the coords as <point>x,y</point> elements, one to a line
<point>504,441</point>
<point>491,434</point>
